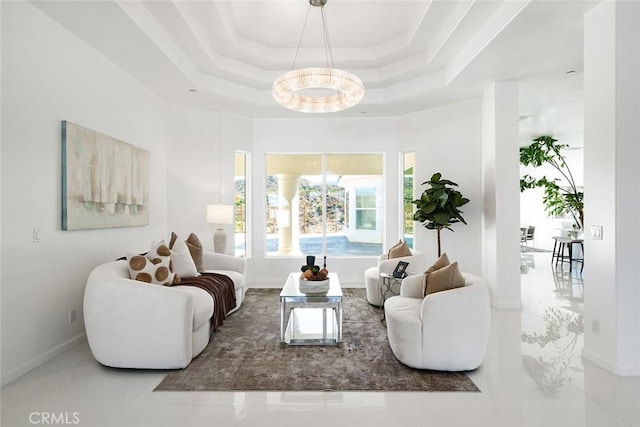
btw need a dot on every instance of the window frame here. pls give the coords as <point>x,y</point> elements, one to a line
<point>326,176</point>
<point>247,204</point>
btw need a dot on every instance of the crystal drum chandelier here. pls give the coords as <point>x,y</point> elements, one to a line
<point>293,89</point>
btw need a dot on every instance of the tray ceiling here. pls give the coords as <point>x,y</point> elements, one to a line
<point>411,55</point>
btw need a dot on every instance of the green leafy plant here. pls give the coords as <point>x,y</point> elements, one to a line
<point>437,207</point>
<point>557,199</point>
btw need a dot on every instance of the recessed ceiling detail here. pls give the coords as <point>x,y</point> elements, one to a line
<point>410,55</point>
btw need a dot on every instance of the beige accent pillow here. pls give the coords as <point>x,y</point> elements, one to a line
<point>393,247</point>
<point>445,278</point>
<point>441,262</point>
<point>400,251</point>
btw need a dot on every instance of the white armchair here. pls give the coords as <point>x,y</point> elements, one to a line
<point>417,264</point>
<point>446,331</point>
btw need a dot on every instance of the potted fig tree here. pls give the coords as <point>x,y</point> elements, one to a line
<point>437,207</point>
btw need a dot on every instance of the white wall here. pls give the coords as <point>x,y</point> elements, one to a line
<point>193,171</point>
<point>318,135</point>
<point>201,168</point>
<point>448,140</point>
<point>612,179</point>
<point>48,75</point>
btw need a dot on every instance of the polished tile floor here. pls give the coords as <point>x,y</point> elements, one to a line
<point>533,375</point>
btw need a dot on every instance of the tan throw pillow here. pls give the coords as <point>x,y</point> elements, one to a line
<point>195,248</point>
<point>445,278</point>
<point>400,251</point>
<point>393,247</point>
<point>441,262</point>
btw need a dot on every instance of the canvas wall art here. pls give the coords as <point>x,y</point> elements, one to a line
<point>105,181</point>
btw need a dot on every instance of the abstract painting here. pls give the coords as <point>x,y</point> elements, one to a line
<point>105,181</point>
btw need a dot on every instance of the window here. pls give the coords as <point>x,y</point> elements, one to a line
<point>365,208</point>
<point>407,178</point>
<point>240,215</point>
<point>309,210</point>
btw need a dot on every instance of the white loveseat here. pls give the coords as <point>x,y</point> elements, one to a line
<point>132,324</point>
<point>446,331</point>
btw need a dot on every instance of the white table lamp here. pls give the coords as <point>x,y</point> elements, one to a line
<point>220,214</point>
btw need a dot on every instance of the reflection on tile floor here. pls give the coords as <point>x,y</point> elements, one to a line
<point>533,375</point>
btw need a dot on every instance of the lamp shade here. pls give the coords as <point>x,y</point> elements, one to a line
<point>220,214</point>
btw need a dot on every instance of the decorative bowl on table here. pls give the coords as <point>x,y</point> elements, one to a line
<point>314,280</point>
<point>313,286</point>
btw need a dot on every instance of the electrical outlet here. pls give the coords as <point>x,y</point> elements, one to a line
<point>72,315</point>
<point>595,327</point>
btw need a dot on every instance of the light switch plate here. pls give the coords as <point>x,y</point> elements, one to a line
<point>596,232</point>
<point>37,235</point>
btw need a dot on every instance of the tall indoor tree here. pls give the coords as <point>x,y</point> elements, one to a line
<point>437,207</point>
<point>561,195</point>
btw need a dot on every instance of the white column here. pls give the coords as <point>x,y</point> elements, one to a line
<point>501,194</point>
<point>611,182</point>
<point>288,214</point>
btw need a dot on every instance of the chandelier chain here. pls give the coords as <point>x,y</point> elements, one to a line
<point>327,40</point>
<point>304,26</point>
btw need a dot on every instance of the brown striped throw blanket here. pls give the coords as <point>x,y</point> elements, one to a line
<point>221,289</point>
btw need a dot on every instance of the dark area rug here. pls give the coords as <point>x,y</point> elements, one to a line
<point>245,354</point>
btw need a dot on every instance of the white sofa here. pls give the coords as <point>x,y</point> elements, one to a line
<point>417,264</point>
<point>446,331</point>
<point>132,324</point>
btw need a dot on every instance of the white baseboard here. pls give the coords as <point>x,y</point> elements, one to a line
<point>16,373</point>
<point>619,370</point>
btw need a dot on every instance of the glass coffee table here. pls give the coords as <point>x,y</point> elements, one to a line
<point>310,318</point>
